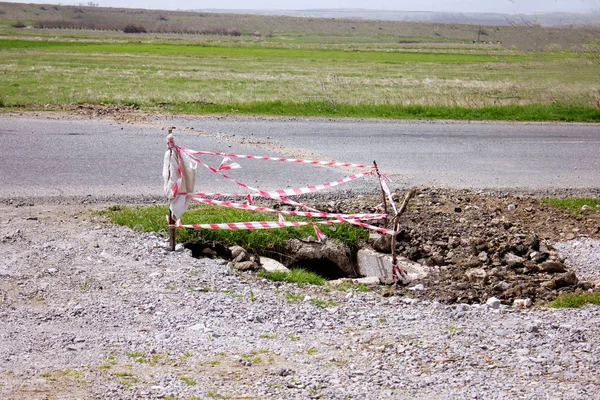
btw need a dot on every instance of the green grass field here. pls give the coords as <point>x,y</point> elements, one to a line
<point>299,73</point>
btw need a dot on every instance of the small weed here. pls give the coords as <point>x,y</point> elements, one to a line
<point>185,356</point>
<point>188,381</point>
<point>170,287</point>
<point>293,338</point>
<point>382,321</point>
<point>352,287</point>
<point>269,336</point>
<point>454,329</point>
<point>312,351</point>
<point>320,303</point>
<point>137,356</point>
<point>293,297</point>
<point>298,276</point>
<point>252,298</point>
<point>212,363</point>
<point>575,300</point>
<point>213,394</point>
<point>122,374</point>
<point>73,374</point>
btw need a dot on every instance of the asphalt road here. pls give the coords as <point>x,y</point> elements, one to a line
<point>47,156</point>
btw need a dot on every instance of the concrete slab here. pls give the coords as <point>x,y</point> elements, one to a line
<point>373,263</point>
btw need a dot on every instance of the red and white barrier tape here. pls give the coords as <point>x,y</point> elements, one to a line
<point>320,214</point>
<point>283,159</point>
<point>234,226</point>
<point>277,194</point>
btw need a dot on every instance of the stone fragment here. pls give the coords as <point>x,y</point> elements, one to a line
<point>522,303</point>
<point>513,260</point>
<point>512,207</point>
<point>419,287</point>
<point>501,286</point>
<point>245,266</point>
<point>553,267</point>
<point>197,327</point>
<point>493,303</point>
<point>562,280</point>
<point>477,276</point>
<point>372,263</point>
<point>369,280</point>
<point>383,244</point>
<point>270,265</point>
<point>585,208</point>
<point>236,251</point>
<point>483,257</point>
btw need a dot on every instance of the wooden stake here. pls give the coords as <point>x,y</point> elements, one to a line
<point>172,240</point>
<point>382,191</point>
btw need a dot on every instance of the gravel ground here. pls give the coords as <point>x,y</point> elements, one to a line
<point>89,310</point>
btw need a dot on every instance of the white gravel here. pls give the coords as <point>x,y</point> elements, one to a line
<point>583,256</point>
<point>93,311</point>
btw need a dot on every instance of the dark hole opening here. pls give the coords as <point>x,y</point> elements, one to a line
<point>327,269</point>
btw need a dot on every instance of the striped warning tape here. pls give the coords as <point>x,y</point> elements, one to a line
<point>355,219</point>
<point>233,226</point>
<point>277,194</point>
<point>319,214</point>
<point>282,159</point>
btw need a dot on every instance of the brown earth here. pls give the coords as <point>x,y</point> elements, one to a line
<point>479,246</point>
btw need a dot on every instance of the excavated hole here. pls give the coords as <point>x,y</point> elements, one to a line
<point>326,268</point>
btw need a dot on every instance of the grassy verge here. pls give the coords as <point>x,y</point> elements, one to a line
<point>152,219</point>
<point>575,300</point>
<point>534,112</point>
<point>574,204</point>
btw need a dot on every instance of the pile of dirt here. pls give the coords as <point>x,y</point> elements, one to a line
<point>127,113</point>
<point>481,245</point>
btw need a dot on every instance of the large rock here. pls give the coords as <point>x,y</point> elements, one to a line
<point>372,263</point>
<point>332,251</point>
<point>381,243</point>
<point>270,265</point>
<point>560,281</point>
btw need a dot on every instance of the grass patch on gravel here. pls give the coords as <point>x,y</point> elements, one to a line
<point>575,300</point>
<point>574,204</point>
<point>298,276</point>
<point>152,219</point>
